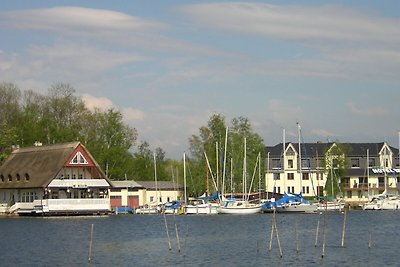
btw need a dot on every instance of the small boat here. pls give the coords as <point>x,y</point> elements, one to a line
<point>291,202</point>
<point>148,209</point>
<point>200,206</point>
<point>173,207</point>
<point>234,206</point>
<point>335,205</point>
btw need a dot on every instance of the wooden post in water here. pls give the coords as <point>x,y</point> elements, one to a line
<point>296,234</point>
<point>272,231</point>
<point>344,227</point>
<point>369,241</point>
<point>317,231</point>
<point>166,230</point>
<point>324,231</point>
<point>90,244</point>
<point>277,237</point>
<point>177,235</point>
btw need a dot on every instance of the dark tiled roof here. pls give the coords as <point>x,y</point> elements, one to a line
<point>311,149</point>
<point>160,185</point>
<point>308,149</point>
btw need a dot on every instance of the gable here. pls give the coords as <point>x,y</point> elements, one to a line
<point>79,158</point>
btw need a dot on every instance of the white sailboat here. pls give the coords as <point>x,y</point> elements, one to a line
<point>241,206</point>
<point>335,204</point>
<point>197,205</point>
<point>296,202</point>
<point>152,207</point>
<point>383,201</point>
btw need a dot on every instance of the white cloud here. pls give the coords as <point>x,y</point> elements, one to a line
<point>75,19</point>
<point>283,113</point>
<point>322,133</point>
<point>310,23</point>
<point>368,111</point>
<point>131,114</point>
<point>92,102</point>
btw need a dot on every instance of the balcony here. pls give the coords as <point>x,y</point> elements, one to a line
<point>62,206</point>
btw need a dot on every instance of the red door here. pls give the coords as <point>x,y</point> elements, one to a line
<point>115,201</point>
<point>133,201</point>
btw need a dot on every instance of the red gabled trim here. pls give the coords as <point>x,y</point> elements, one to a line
<point>80,149</point>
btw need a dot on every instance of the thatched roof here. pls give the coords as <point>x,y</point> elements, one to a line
<point>34,167</point>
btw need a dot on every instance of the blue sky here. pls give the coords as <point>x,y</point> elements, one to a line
<point>332,66</point>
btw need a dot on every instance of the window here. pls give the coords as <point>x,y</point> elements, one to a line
<point>305,163</point>
<point>303,191</point>
<point>151,199</point>
<point>277,189</point>
<point>78,159</point>
<point>27,177</point>
<point>9,178</point>
<point>290,189</point>
<point>307,189</point>
<point>290,163</point>
<point>18,177</point>
<point>290,176</point>
<point>306,176</point>
<point>371,162</point>
<point>2,178</point>
<point>355,163</point>
<point>277,176</point>
<point>276,163</point>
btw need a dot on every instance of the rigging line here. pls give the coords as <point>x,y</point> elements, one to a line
<point>308,163</point>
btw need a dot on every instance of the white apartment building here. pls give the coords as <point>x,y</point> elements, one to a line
<point>368,169</point>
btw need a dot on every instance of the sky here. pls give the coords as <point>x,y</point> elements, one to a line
<point>168,66</point>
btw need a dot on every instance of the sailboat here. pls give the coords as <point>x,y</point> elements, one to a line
<point>292,202</point>
<point>153,207</point>
<point>383,201</point>
<point>197,205</point>
<point>241,206</point>
<point>334,204</point>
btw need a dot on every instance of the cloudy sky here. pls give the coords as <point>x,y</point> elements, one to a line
<point>332,66</point>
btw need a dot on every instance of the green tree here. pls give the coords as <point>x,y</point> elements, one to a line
<point>214,133</point>
<point>110,141</point>
<point>335,167</point>
<point>10,97</point>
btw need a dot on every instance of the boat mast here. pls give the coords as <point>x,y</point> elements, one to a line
<point>184,177</point>
<point>283,161</point>
<point>224,167</point>
<point>300,173</point>
<point>155,177</point>
<point>368,172</point>
<point>244,171</point>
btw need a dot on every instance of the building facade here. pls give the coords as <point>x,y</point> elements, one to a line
<point>366,169</point>
<point>134,194</point>
<point>53,179</point>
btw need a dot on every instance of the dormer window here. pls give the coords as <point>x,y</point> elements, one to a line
<point>27,177</point>
<point>9,178</point>
<point>2,178</point>
<point>18,177</point>
<point>78,159</point>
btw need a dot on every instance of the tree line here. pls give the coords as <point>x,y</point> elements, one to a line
<point>60,116</point>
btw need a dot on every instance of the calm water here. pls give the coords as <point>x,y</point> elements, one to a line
<point>140,240</point>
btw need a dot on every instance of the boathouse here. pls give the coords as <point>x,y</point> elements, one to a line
<point>132,194</point>
<point>53,179</point>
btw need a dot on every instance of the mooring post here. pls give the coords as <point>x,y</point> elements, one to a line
<point>344,227</point>
<point>317,231</point>
<point>166,230</point>
<point>90,244</point>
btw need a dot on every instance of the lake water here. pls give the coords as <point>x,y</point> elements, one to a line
<point>218,240</point>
